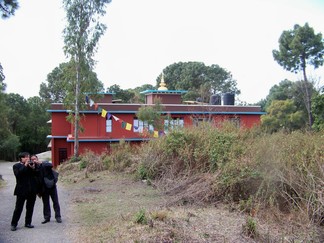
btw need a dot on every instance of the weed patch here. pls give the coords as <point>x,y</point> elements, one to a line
<point>274,177</point>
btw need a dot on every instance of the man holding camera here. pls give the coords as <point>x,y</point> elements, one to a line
<point>48,190</point>
<point>26,174</point>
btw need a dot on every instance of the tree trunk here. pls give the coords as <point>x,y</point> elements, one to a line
<point>308,100</point>
<point>76,114</point>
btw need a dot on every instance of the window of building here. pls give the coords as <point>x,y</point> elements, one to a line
<point>109,125</point>
<point>173,123</point>
<point>140,126</point>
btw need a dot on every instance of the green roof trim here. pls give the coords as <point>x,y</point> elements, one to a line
<point>164,92</point>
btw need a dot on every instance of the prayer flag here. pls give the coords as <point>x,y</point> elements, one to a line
<point>116,118</point>
<point>123,125</point>
<point>103,113</point>
<point>91,102</point>
<point>156,134</point>
<point>128,126</point>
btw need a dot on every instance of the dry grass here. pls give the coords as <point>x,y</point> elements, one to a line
<point>272,185</point>
<point>105,206</point>
<point>2,182</point>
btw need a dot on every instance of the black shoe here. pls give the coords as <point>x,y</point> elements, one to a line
<point>45,221</point>
<point>59,220</point>
<point>30,226</point>
<point>13,228</point>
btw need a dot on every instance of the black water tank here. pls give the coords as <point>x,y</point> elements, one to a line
<point>215,99</point>
<point>228,98</point>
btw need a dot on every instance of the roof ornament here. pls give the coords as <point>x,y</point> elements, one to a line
<point>162,83</point>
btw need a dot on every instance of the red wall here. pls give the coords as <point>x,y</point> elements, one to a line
<point>60,126</point>
<point>97,148</point>
<point>250,120</point>
<point>164,98</point>
<point>94,127</point>
<point>118,132</point>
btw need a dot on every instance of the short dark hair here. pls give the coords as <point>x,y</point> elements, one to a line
<point>22,155</point>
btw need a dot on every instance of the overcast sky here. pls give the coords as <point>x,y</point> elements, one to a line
<point>145,36</point>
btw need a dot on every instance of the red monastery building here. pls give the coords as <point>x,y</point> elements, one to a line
<point>106,123</point>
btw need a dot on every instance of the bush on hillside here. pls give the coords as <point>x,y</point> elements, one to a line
<point>184,152</point>
<point>257,171</point>
<point>283,171</point>
<point>120,157</point>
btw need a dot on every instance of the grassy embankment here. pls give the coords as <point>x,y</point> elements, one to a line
<point>273,184</point>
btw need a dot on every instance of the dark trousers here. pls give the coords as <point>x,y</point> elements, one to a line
<point>46,203</point>
<point>20,201</point>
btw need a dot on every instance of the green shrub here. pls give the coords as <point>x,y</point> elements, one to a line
<point>91,161</point>
<point>140,217</point>
<point>280,170</point>
<point>120,156</point>
<point>106,160</point>
<point>247,205</point>
<point>250,228</point>
<point>83,164</point>
<point>142,172</point>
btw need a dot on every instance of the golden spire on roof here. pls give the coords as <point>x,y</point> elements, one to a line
<point>162,83</point>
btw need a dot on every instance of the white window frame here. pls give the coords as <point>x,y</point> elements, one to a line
<point>109,125</point>
<point>173,123</point>
<point>139,126</point>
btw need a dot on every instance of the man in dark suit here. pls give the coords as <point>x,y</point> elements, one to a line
<point>49,179</point>
<point>26,189</point>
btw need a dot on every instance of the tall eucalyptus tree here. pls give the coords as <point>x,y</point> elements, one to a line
<point>81,36</point>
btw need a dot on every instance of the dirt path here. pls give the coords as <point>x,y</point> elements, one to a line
<point>47,233</point>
